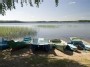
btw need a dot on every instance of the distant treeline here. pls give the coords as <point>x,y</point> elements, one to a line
<point>84,20</point>
<point>45,21</point>
<point>11,22</point>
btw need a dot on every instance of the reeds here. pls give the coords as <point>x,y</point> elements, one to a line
<point>15,32</point>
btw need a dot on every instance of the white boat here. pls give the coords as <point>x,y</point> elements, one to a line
<point>59,44</point>
<point>71,47</point>
<point>79,43</point>
<point>62,45</point>
<point>40,44</point>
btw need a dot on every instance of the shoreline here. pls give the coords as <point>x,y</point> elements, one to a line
<point>44,22</point>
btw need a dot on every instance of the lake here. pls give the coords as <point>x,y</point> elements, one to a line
<point>57,30</point>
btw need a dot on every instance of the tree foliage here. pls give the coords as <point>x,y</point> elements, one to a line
<point>10,4</point>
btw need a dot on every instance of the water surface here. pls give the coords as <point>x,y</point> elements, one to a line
<point>57,30</point>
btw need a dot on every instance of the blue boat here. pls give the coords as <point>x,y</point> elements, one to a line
<point>87,45</point>
<point>3,44</point>
<point>79,43</point>
<point>40,44</point>
<point>27,40</point>
<point>71,47</point>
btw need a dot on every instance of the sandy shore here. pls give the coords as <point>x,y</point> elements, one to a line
<point>21,58</point>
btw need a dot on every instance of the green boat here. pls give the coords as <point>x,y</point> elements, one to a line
<point>16,45</point>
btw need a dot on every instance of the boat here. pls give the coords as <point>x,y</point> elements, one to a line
<point>59,44</point>
<point>40,44</point>
<point>3,43</point>
<point>27,40</point>
<point>71,47</point>
<point>79,43</point>
<point>62,45</point>
<point>87,45</point>
<point>16,45</point>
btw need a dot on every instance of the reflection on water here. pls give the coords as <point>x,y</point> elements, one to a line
<point>10,4</point>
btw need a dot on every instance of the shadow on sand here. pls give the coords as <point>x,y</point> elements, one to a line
<point>23,58</point>
<point>39,61</point>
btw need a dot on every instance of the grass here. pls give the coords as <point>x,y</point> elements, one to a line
<point>48,26</point>
<point>15,32</point>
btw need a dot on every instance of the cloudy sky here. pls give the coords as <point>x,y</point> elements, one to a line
<point>67,10</point>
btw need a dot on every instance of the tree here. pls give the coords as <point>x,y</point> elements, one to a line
<point>10,4</point>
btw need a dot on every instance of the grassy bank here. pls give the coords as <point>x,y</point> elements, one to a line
<point>15,32</point>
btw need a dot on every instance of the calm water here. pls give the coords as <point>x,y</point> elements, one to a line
<point>57,30</point>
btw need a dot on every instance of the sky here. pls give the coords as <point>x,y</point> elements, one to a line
<point>0,1</point>
<point>67,10</point>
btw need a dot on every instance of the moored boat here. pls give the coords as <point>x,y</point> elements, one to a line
<point>59,44</point>
<point>3,43</point>
<point>40,44</point>
<point>62,45</point>
<point>71,47</point>
<point>16,45</point>
<point>27,40</point>
<point>79,43</point>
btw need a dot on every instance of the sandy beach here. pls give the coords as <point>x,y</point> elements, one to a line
<point>26,58</point>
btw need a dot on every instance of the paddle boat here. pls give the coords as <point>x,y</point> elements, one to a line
<point>40,44</point>
<point>59,44</point>
<point>27,40</point>
<point>16,45</point>
<point>87,45</point>
<point>79,43</point>
<point>71,47</point>
<point>62,45</point>
<point>3,43</point>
